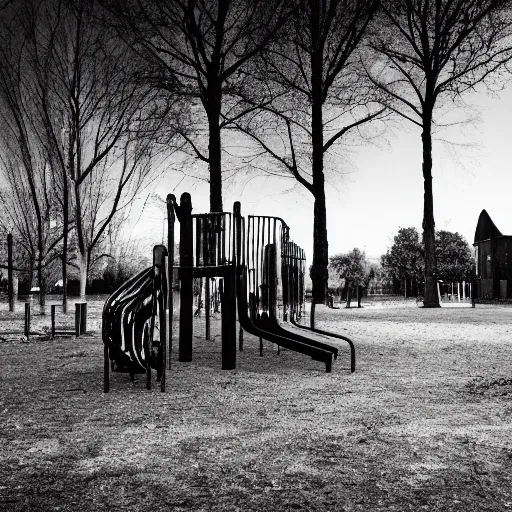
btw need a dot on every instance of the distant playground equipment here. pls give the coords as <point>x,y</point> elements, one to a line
<point>260,274</point>
<point>61,329</point>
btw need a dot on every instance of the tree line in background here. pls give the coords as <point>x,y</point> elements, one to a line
<point>95,95</point>
<point>402,268</point>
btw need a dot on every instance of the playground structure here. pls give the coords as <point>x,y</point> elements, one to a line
<point>132,317</point>
<point>261,273</point>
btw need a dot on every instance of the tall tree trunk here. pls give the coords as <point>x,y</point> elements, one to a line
<point>41,278</point>
<point>320,274</point>
<point>82,250</point>
<point>213,106</point>
<point>84,263</point>
<point>65,220</point>
<point>31,272</point>
<point>431,298</point>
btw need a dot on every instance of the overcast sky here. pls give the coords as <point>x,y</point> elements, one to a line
<point>383,189</point>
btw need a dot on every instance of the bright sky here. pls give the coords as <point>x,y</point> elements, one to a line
<point>384,189</point>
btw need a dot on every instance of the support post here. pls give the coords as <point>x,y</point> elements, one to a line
<point>77,319</point>
<point>241,339</point>
<point>53,308</point>
<point>83,318</point>
<point>170,271</point>
<point>27,319</point>
<point>472,290</point>
<point>10,278</point>
<point>186,292</point>
<point>207,306</point>
<point>106,369</point>
<point>229,322</point>
<point>163,336</point>
<point>159,308</point>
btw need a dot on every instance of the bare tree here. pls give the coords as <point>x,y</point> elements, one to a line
<point>98,119</point>
<point>26,199</point>
<point>312,96</point>
<point>433,51</point>
<point>201,47</point>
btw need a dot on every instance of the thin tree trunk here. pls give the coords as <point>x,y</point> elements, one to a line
<point>31,273</point>
<point>213,106</point>
<point>349,296</point>
<point>42,280</point>
<point>320,243</point>
<point>65,220</point>
<point>83,274</point>
<point>431,298</point>
<point>320,274</point>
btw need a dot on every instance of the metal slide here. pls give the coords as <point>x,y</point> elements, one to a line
<point>129,321</point>
<point>257,289</point>
<point>293,272</point>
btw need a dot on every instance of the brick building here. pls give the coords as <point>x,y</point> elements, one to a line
<point>493,263</point>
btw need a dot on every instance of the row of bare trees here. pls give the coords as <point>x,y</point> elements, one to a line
<point>81,131</point>
<point>112,82</point>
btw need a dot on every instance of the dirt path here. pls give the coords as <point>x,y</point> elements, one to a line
<point>423,424</point>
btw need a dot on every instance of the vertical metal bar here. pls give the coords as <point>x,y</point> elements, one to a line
<point>83,318</point>
<point>219,240</point>
<point>53,307</point>
<point>198,222</point>
<point>207,306</point>
<point>229,322</point>
<point>275,277</point>
<point>256,277</point>
<point>106,369</point>
<point>252,265</point>
<point>204,241</point>
<point>170,271</point>
<point>163,322</point>
<point>231,255</point>
<point>223,236</point>
<point>10,278</point>
<point>163,332</point>
<point>77,319</point>
<point>27,319</point>
<point>186,278</point>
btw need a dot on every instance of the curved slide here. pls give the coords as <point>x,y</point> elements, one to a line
<point>259,329</point>
<point>124,318</point>
<point>329,334</point>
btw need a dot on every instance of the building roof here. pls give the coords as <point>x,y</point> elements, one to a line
<point>485,228</point>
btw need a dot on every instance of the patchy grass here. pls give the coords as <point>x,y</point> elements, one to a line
<point>423,424</point>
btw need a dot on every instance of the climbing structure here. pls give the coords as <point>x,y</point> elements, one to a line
<point>261,274</point>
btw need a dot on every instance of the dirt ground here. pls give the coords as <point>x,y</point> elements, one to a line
<point>425,423</point>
